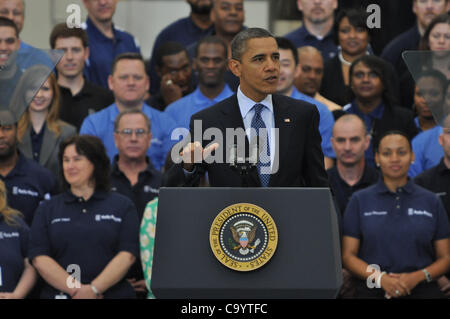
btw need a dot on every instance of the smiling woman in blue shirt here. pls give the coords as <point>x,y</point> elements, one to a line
<point>17,276</point>
<point>87,232</point>
<point>398,226</point>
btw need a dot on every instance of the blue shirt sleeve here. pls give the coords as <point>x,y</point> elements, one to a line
<point>416,167</point>
<point>326,130</point>
<point>352,226</point>
<point>129,231</point>
<point>24,238</point>
<point>39,243</point>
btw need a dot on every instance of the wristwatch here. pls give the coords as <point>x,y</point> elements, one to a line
<point>427,275</point>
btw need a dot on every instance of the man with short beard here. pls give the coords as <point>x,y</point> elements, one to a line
<point>27,182</point>
<point>351,172</point>
<point>185,31</point>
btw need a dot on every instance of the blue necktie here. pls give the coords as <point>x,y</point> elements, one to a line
<point>264,149</point>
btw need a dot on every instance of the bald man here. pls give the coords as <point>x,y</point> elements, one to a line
<point>351,172</point>
<point>309,78</point>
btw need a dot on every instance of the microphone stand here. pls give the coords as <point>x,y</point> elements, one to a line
<point>243,165</point>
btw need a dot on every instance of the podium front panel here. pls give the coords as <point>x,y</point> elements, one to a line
<point>306,263</point>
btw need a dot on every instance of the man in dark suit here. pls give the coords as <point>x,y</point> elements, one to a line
<point>291,155</point>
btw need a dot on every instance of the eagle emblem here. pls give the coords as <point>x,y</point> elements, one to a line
<point>244,233</point>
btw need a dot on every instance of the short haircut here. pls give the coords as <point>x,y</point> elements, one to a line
<point>212,39</point>
<point>388,133</point>
<point>351,117</point>
<point>132,111</point>
<point>168,48</point>
<point>126,56</point>
<point>94,150</point>
<point>239,42</point>
<point>356,17</point>
<point>63,31</point>
<point>286,44</point>
<point>5,22</point>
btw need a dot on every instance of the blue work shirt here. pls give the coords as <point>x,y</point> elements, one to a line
<point>28,184</point>
<point>182,109</point>
<point>397,230</point>
<point>103,50</point>
<point>301,37</point>
<point>427,150</point>
<point>13,251</point>
<point>28,56</point>
<point>183,31</point>
<point>88,233</point>
<point>326,122</point>
<point>368,119</point>
<point>101,124</point>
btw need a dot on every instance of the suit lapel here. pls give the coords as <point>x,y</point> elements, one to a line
<point>48,142</point>
<point>282,125</point>
<point>25,146</point>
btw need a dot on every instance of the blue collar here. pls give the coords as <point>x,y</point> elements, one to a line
<point>200,98</point>
<point>99,35</point>
<point>377,113</point>
<point>69,197</point>
<point>380,187</point>
<point>304,33</point>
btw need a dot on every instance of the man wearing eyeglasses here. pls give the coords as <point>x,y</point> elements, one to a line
<point>133,174</point>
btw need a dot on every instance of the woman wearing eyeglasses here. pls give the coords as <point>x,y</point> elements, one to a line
<point>88,231</point>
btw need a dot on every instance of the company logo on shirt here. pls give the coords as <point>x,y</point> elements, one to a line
<point>155,140</point>
<point>99,218</point>
<point>60,220</point>
<point>28,192</point>
<point>374,213</point>
<point>412,211</point>
<point>4,235</point>
<point>149,189</point>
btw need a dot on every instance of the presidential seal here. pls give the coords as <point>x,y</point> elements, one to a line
<point>243,237</point>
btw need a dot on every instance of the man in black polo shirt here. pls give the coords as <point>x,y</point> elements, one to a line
<point>133,174</point>
<point>351,173</point>
<point>437,178</point>
<point>79,97</point>
<point>26,181</point>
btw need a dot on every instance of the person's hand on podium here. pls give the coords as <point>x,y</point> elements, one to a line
<point>194,153</point>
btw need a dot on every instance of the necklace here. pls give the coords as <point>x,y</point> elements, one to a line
<point>343,61</point>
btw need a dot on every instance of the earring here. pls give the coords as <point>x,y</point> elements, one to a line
<point>378,164</point>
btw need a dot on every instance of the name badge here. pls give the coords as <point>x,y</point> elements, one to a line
<point>61,296</point>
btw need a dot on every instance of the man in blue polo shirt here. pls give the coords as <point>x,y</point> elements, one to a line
<point>210,63</point>
<point>427,150</point>
<point>317,28</point>
<point>27,182</point>
<point>288,72</point>
<point>105,40</point>
<point>28,55</point>
<point>184,31</point>
<point>129,83</point>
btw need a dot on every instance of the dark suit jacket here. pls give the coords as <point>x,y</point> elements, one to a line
<point>300,154</point>
<point>50,145</point>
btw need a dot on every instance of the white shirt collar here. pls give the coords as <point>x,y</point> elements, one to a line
<point>246,104</point>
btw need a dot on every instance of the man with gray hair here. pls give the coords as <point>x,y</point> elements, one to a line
<point>287,129</point>
<point>133,174</point>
